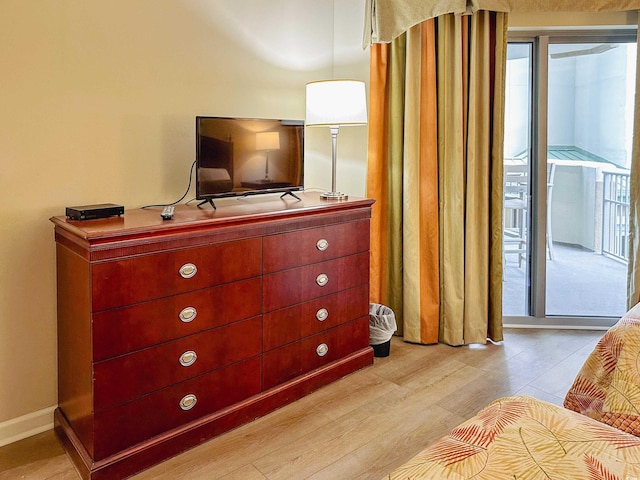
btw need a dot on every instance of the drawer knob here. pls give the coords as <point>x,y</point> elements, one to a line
<point>188,270</point>
<point>188,401</point>
<point>322,279</point>
<point>188,314</point>
<point>188,358</point>
<point>322,244</point>
<point>322,314</point>
<point>322,349</point>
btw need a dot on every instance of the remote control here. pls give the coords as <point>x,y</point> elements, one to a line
<point>167,212</point>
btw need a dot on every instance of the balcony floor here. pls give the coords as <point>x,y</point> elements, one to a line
<point>579,283</point>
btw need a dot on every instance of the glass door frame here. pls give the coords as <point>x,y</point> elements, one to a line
<point>539,41</point>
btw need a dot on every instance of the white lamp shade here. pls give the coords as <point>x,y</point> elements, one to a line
<point>267,141</point>
<point>336,102</point>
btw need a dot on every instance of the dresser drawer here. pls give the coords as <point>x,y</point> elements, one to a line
<point>293,323</point>
<point>137,279</point>
<point>123,330</point>
<point>315,245</point>
<point>121,427</point>
<point>290,361</point>
<point>298,285</point>
<point>126,377</point>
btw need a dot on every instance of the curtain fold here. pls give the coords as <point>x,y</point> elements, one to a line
<point>420,200</point>
<point>499,73</point>
<point>388,19</point>
<point>434,141</point>
<point>633,267</point>
<point>385,177</point>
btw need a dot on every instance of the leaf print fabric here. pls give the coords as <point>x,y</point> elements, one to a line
<point>607,388</point>
<point>527,439</point>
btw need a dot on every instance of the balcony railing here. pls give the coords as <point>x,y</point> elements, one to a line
<point>615,215</point>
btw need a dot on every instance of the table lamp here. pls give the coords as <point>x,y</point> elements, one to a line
<point>335,103</point>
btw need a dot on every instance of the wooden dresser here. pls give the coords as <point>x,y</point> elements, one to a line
<point>172,332</point>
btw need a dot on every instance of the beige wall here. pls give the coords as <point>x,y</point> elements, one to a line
<point>97,104</point>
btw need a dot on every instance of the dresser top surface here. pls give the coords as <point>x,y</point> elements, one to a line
<point>233,211</point>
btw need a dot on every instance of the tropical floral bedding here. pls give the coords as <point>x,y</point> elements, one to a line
<point>525,438</point>
<point>607,387</point>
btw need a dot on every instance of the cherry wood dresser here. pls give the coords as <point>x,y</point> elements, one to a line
<point>172,332</point>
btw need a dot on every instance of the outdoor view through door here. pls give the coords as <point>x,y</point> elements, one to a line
<point>566,174</point>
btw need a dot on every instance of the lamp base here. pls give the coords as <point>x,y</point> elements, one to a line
<point>334,196</point>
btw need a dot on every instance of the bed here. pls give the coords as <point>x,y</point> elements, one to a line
<point>215,167</point>
<point>520,437</point>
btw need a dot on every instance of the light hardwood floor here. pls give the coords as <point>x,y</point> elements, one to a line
<point>364,425</point>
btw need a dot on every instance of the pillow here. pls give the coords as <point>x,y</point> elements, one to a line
<point>213,174</point>
<point>607,388</point>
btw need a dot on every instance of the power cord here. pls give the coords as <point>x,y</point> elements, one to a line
<point>182,197</point>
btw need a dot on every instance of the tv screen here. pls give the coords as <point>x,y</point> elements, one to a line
<point>243,156</point>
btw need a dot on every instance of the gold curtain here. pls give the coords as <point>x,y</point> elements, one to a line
<point>435,170</point>
<point>388,19</point>
<point>633,267</point>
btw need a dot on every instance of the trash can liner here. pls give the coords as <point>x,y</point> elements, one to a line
<point>382,324</point>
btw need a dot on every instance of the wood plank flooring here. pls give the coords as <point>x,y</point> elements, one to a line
<point>364,425</point>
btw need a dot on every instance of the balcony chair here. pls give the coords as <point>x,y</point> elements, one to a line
<point>551,172</point>
<point>516,205</point>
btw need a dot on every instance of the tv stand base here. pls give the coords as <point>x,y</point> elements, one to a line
<point>209,201</point>
<point>292,194</point>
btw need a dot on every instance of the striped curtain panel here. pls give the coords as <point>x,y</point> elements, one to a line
<point>633,267</point>
<point>435,170</point>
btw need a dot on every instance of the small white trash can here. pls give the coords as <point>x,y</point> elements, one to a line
<point>382,325</point>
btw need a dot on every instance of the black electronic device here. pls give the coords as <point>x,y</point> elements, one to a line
<point>244,156</point>
<point>90,212</point>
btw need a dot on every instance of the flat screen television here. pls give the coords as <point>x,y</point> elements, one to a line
<point>245,156</point>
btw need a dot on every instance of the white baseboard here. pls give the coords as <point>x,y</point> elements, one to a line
<point>26,425</point>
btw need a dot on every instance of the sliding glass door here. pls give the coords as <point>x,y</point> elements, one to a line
<point>517,180</point>
<point>569,121</point>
